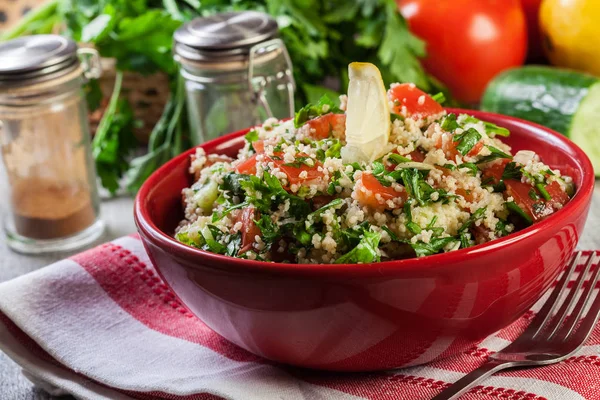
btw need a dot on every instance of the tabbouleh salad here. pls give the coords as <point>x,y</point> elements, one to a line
<point>444,182</point>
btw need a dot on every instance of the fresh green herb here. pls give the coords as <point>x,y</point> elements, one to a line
<point>477,215</point>
<point>465,240</point>
<point>471,167</point>
<point>466,140</point>
<point>184,237</point>
<point>232,183</point>
<point>451,167</point>
<point>332,204</point>
<point>417,188</point>
<point>439,97</point>
<point>449,123</point>
<point>489,127</point>
<point>495,129</point>
<point>114,140</point>
<point>268,229</point>
<point>217,216</point>
<point>434,246</point>
<point>334,150</point>
<point>540,187</point>
<point>310,111</point>
<point>356,166</point>
<point>515,209</point>
<point>512,171</point>
<point>365,252</point>
<point>410,225</point>
<point>496,154</point>
<point>533,194</point>
<point>394,117</point>
<point>321,155</point>
<point>233,245</point>
<point>501,228</point>
<point>392,235</point>
<point>397,158</point>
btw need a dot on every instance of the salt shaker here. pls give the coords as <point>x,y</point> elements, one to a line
<point>237,72</point>
<point>50,189</point>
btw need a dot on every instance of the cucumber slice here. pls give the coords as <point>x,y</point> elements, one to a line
<point>563,100</point>
<point>585,130</point>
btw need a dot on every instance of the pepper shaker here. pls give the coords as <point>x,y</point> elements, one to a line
<point>52,197</point>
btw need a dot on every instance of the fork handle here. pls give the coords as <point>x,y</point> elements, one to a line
<point>465,383</point>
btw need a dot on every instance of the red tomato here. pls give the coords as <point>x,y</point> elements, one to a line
<point>468,41</point>
<point>559,198</point>
<point>367,187</point>
<point>520,192</point>
<point>408,95</point>
<point>249,229</point>
<point>417,156</point>
<point>324,125</point>
<point>259,146</point>
<point>293,173</point>
<point>537,209</point>
<point>495,171</point>
<point>247,167</point>
<point>531,8</point>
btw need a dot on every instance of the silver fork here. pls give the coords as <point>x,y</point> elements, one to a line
<point>550,337</point>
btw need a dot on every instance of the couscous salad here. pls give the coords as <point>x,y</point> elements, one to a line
<point>383,175</point>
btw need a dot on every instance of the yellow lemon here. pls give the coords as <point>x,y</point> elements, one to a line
<point>368,122</point>
<point>570,32</point>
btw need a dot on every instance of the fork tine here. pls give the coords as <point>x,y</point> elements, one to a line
<point>545,312</point>
<point>562,313</point>
<point>567,329</point>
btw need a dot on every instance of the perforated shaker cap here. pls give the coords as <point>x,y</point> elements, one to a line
<point>30,59</point>
<point>228,35</point>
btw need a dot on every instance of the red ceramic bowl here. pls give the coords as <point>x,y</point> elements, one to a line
<point>370,316</point>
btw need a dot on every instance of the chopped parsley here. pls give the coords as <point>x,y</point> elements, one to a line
<point>495,154</point>
<point>466,140</point>
<point>310,111</point>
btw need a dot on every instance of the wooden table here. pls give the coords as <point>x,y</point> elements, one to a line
<point>118,216</point>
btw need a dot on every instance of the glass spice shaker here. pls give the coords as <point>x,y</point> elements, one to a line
<point>237,72</point>
<point>50,186</point>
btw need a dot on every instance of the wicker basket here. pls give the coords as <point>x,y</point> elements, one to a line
<point>147,94</point>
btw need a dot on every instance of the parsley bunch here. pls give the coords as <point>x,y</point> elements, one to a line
<point>322,37</point>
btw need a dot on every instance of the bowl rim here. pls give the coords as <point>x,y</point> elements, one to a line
<point>151,232</point>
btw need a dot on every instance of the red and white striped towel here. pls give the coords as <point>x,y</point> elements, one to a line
<point>102,325</point>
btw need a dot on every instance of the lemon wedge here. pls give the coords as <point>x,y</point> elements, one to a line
<point>367,115</point>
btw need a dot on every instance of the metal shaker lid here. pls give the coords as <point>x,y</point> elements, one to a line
<point>29,59</point>
<point>227,34</point>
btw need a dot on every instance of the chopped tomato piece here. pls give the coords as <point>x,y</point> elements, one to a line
<point>249,228</point>
<point>418,103</point>
<point>323,126</point>
<point>247,167</point>
<point>295,174</point>
<point>559,197</point>
<point>466,194</point>
<point>536,209</point>
<point>368,188</point>
<point>495,171</point>
<point>320,201</point>
<point>417,155</point>
<point>259,146</point>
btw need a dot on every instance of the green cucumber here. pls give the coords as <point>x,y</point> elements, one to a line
<point>563,100</point>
